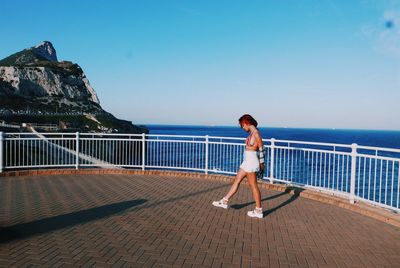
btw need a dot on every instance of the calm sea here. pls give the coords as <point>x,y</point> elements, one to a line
<point>379,138</point>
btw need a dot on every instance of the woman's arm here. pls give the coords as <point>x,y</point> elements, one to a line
<point>259,141</point>
<point>261,156</point>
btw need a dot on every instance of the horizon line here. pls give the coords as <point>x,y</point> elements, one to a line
<point>263,126</point>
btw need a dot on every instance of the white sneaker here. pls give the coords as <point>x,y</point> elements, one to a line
<point>221,203</point>
<point>255,214</point>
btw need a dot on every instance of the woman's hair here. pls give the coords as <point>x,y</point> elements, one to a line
<point>248,119</point>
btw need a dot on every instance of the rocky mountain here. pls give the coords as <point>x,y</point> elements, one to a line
<point>33,82</point>
<point>36,73</point>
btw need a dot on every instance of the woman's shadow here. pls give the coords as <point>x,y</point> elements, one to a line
<point>296,192</point>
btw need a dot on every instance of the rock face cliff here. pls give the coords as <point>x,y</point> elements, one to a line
<point>42,81</point>
<point>33,83</point>
<point>36,73</point>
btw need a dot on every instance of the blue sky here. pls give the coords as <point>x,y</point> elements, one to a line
<point>317,64</point>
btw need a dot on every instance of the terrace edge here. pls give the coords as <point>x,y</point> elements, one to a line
<point>360,207</point>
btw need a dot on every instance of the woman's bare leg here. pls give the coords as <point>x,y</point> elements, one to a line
<point>241,174</point>
<point>251,178</point>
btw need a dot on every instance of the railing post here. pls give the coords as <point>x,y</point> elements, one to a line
<point>1,151</point>
<point>206,156</point>
<point>77,151</point>
<point>353,172</point>
<point>272,159</point>
<point>143,150</point>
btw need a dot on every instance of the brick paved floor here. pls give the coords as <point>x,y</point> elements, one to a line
<point>155,221</point>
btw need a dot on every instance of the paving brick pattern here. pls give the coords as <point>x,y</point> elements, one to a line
<point>160,221</point>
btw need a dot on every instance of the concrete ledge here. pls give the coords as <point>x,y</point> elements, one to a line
<point>363,208</point>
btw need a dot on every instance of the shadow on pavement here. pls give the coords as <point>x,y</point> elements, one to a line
<point>174,199</point>
<point>240,206</point>
<point>296,193</point>
<point>24,230</point>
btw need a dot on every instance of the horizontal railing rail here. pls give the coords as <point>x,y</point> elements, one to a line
<point>355,172</point>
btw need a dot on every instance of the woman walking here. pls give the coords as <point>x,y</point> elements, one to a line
<point>249,167</point>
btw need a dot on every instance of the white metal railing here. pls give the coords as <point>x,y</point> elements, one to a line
<point>355,172</point>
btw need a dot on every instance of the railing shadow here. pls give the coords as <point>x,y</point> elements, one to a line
<point>24,230</point>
